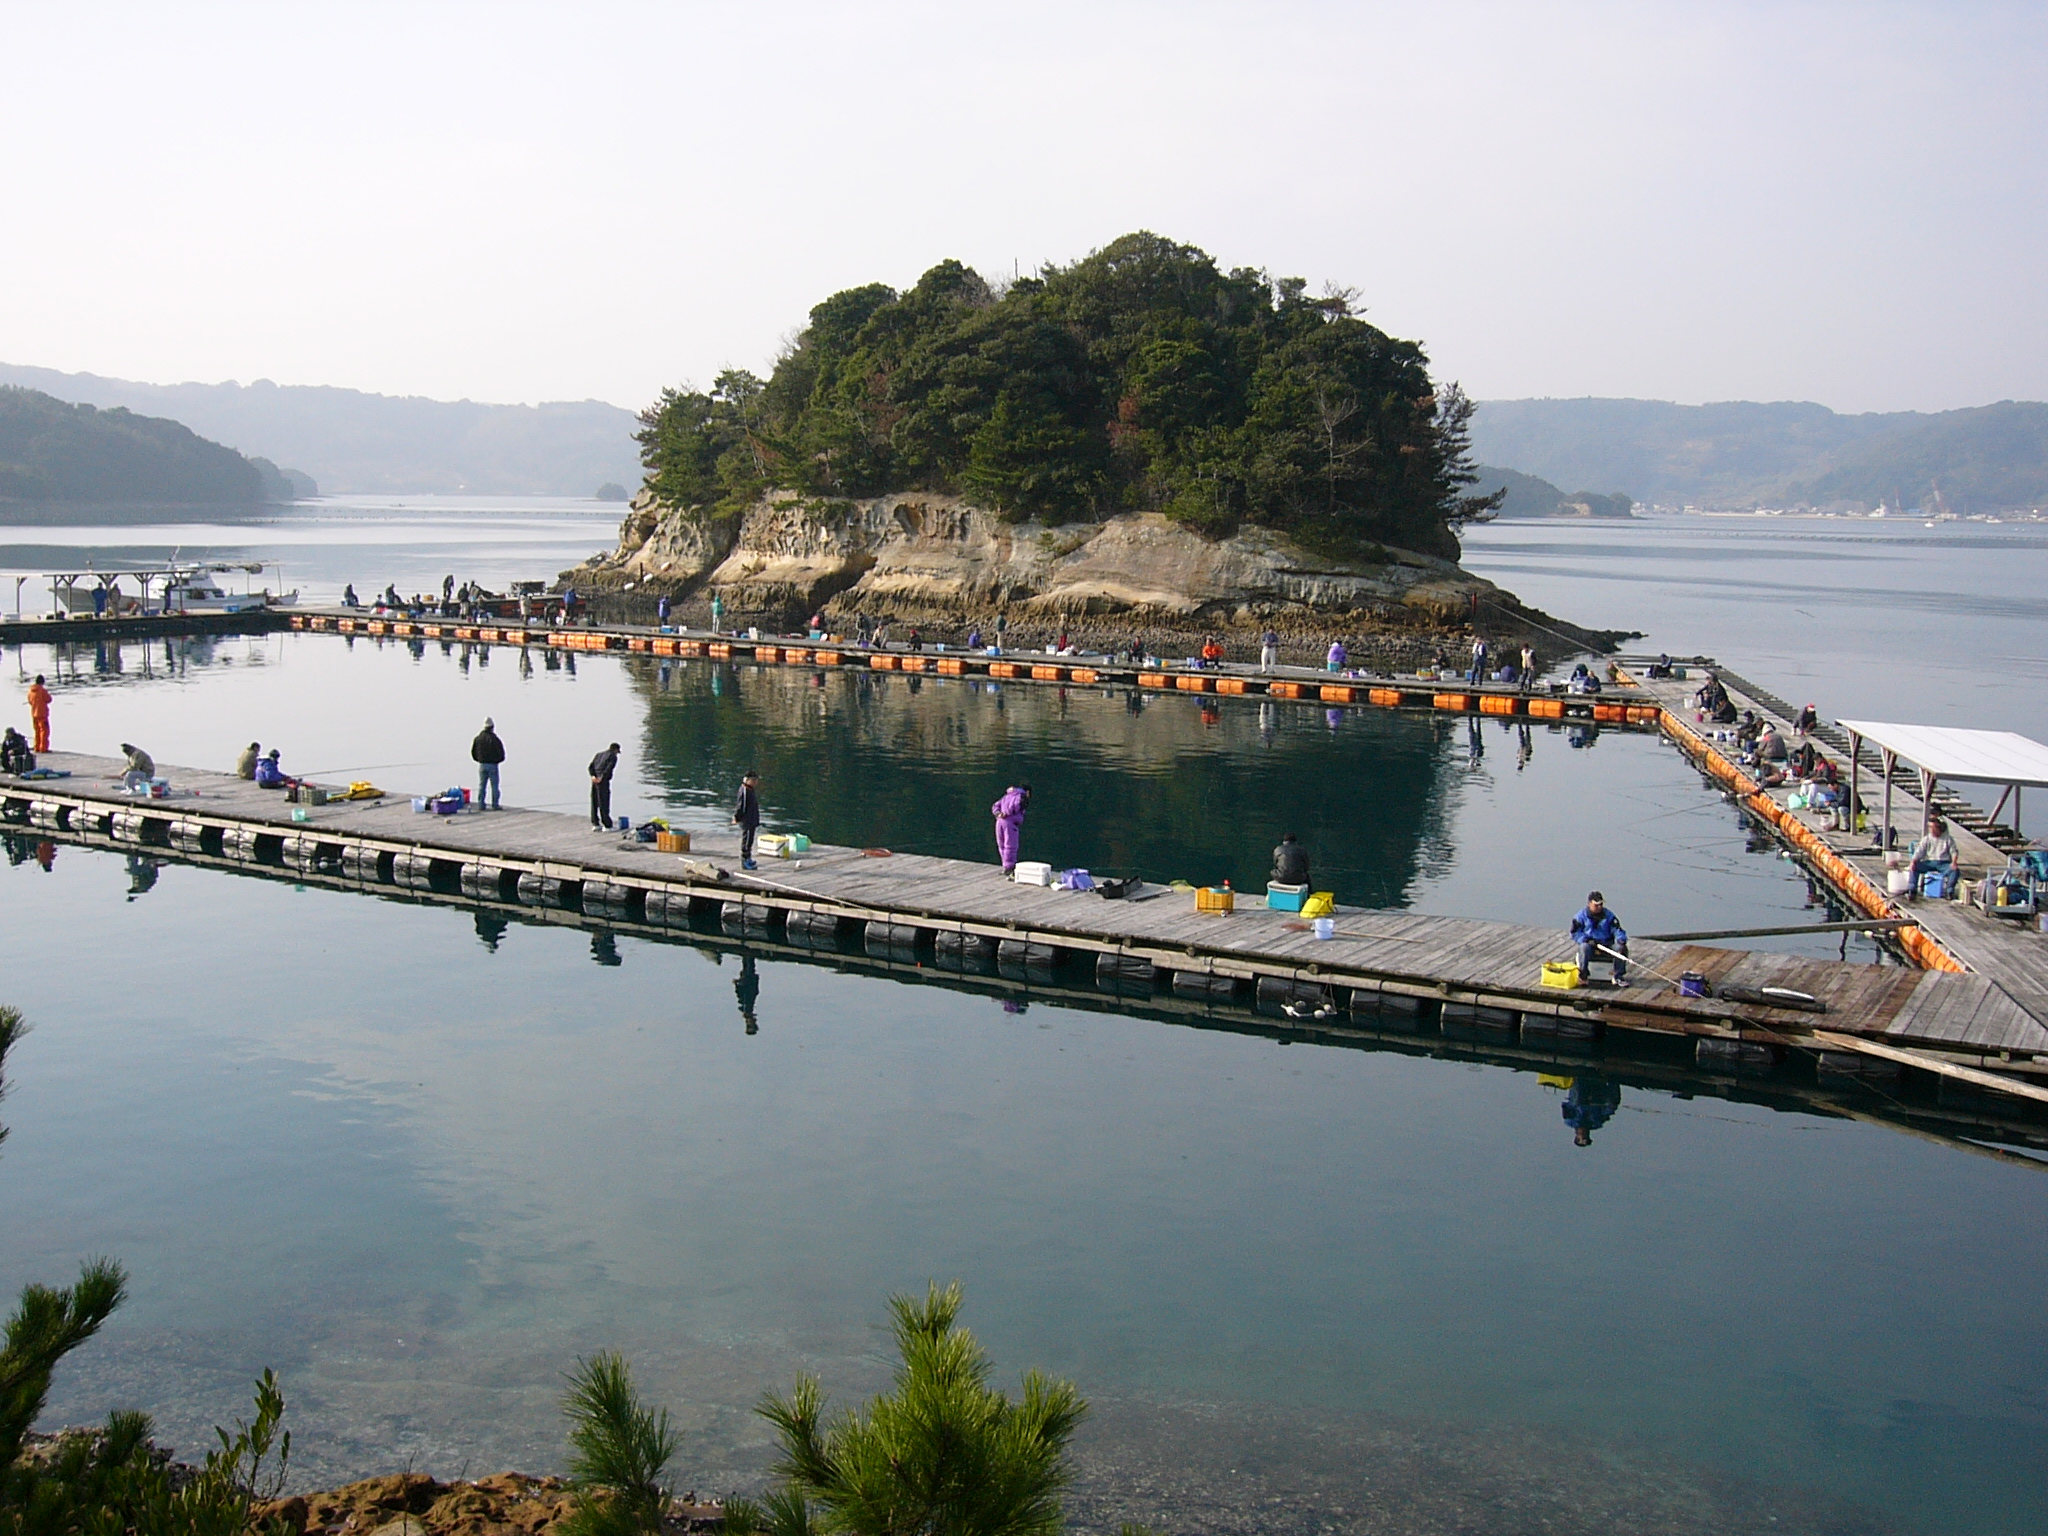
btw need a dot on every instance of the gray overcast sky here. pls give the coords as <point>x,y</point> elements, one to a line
<point>1690,201</point>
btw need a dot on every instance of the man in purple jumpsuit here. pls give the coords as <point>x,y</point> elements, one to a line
<point>1009,815</point>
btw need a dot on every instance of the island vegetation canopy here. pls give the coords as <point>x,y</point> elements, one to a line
<point>1141,378</point>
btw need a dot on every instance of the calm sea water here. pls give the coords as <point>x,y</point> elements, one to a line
<point>420,1161</point>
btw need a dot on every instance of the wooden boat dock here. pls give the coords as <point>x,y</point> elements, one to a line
<point>1462,976</point>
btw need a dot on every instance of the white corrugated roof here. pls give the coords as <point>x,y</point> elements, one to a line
<point>1949,752</point>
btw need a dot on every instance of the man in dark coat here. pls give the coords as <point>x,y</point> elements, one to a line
<point>602,767</point>
<point>1290,863</point>
<point>746,815</point>
<point>487,751</point>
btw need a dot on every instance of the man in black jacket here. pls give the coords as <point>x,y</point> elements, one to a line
<point>746,815</point>
<point>1290,863</point>
<point>488,752</point>
<point>602,767</point>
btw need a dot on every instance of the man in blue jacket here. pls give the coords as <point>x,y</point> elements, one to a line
<point>1596,930</point>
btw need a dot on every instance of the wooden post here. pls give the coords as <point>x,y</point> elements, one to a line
<point>1884,836</point>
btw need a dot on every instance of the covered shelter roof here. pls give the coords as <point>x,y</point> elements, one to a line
<point>1959,755</point>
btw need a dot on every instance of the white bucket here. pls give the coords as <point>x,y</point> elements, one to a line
<point>1326,927</point>
<point>1897,882</point>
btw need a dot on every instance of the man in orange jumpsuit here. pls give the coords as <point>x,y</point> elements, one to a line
<point>39,712</point>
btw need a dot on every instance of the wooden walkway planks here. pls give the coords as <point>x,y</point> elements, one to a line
<point>1451,958</point>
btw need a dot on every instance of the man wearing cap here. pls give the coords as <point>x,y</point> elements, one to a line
<point>1596,931</point>
<point>746,815</point>
<point>489,752</point>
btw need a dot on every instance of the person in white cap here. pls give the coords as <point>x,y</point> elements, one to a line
<point>489,752</point>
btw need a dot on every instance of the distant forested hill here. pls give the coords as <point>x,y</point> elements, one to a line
<point>1742,453</point>
<point>351,441</point>
<point>1530,496</point>
<point>54,451</point>
<point>1140,378</point>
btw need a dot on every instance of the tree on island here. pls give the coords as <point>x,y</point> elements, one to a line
<point>1139,378</point>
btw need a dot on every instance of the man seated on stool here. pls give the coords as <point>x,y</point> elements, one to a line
<point>1596,931</point>
<point>1937,850</point>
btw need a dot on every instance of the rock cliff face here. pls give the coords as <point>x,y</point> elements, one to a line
<point>918,555</point>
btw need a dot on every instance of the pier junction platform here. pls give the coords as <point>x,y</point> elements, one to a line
<point>1967,1010</point>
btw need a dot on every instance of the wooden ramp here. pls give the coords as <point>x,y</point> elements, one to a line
<point>1482,972</point>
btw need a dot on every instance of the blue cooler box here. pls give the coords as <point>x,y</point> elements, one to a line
<point>1286,898</point>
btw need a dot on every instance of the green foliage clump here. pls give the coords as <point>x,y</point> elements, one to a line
<point>113,1481</point>
<point>943,1454</point>
<point>1138,378</point>
<point>620,1452</point>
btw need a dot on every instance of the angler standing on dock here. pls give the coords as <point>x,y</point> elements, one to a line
<point>746,815</point>
<point>1599,935</point>
<point>39,712</point>
<point>488,753</point>
<point>602,767</point>
<point>1009,814</point>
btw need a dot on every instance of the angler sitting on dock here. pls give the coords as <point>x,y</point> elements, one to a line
<point>1935,851</point>
<point>1599,935</point>
<point>141,767</point>
<point>1290,863</point>
<point>15,756</point>
<point>245,765</point>
<point>270,772</point>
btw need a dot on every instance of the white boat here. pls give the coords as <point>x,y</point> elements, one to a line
<point>196,591</point>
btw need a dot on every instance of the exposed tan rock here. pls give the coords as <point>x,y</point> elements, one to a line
<point>918,554</point>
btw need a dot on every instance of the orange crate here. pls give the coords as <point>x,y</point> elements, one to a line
<point>1452,700</point>
<point>912,663</point>
<point>346,626</point>
<point>1002,669</point>
<point>1337,693</point>
<point>792,655</point>
<point>882,661</point>
<point>825,658</point>
<point>1047,674</point>
<point>1645,714</point>
<point>1146,679</point>
<point>379,627</point>
<point>1547,709</point>
<point>1283,690</point>
<point>298,621</point>
<point>1230,685</point>
<point>1496,704</point>
<point>1390,697</point>
<point>665,647</point>
<point>1083,674</point>
<point>951,666</point>
<point>720,649</point>
<point>1191,683</point>
<point>1611,714</point>
<point>639,643</point>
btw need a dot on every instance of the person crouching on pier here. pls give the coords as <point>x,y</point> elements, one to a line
<point>1598,933</point>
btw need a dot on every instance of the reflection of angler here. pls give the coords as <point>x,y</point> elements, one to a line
<point>1590,1103</point>
<point>141,873</point>
<point>747,989</point>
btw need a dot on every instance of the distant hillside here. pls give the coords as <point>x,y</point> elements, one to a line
<point>1742,454</point>
<point>351,441</point>
<point>1528,496</point>
<point>1990,459</point>
<point>54,451</point>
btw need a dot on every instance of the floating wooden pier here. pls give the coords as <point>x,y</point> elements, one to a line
<point>1299,685</point>
<point>1475,978</point>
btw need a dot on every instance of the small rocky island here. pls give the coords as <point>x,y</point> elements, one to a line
<point>1136,443</point>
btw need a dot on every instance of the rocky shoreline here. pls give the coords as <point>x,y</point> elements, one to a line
<point>945,567</point>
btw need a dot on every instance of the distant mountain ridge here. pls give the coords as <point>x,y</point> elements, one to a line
<point>350,441</point>
<point>53,450</point>
<point>1739,454</point>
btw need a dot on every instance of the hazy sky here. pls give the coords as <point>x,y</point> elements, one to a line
<point>1692,201</point>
